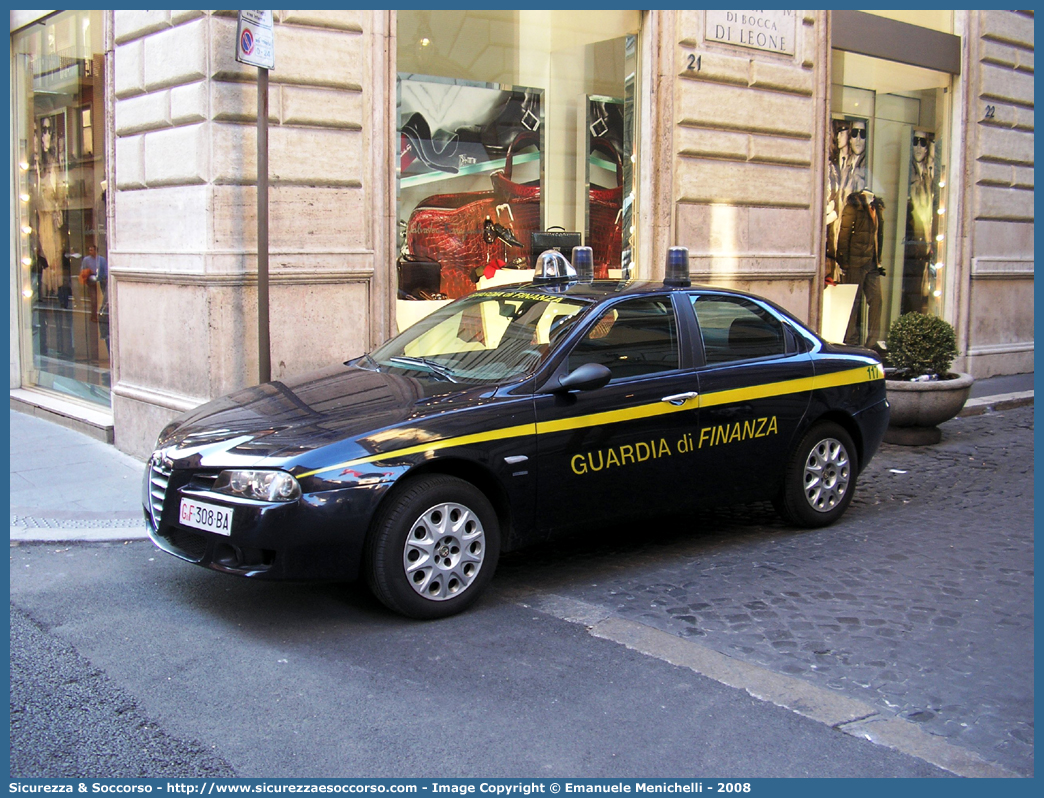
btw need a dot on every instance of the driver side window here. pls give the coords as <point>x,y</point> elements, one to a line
<point>632,339</point>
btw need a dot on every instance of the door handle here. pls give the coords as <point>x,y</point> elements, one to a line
<point>680,398</point>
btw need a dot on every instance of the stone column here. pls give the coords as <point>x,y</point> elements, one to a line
<point>746,160</point>
<point>995,325</point>
<point>183,254</point>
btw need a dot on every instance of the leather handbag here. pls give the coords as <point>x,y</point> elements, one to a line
<point>557,239</point>
<point>448,229</point>
<point>605,213</point>
<point>419,279</point>
<point>522,199</point>
<point>471,232</point>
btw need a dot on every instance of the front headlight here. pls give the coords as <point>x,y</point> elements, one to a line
<point>265,486</point>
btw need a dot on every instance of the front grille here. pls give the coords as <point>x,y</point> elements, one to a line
<point>159,476</point>
<point>190,544</point>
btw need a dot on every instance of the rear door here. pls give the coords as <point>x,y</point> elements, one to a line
<point>755,385</point>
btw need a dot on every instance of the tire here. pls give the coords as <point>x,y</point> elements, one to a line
<point>433,547</point>
<point>820,478</point>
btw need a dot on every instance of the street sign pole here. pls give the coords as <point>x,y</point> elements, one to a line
<point>264,349</point>
<point>255,45</point>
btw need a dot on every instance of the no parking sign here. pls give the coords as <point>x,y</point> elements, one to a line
<point>255,40</point>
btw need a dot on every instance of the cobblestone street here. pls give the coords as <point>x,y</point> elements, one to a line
<point>920,601</point>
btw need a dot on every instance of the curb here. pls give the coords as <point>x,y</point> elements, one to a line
<point>21,534</point>
<point>53,530</point>
<point>846,714</point>
<point>991,404</point>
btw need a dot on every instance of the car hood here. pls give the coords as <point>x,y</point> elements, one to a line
<point>282,420</point>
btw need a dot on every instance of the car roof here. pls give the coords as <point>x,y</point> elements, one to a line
<point>601,290</point>
<point>598,290</point>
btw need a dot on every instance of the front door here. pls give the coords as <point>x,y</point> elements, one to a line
<point>621,450</point>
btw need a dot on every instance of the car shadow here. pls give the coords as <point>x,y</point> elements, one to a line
<point>591,555</point>
<point>621,550</point>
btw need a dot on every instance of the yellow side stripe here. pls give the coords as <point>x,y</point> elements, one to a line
<point>615,416</point>
<point>430,446</point>
<point>651,410</point>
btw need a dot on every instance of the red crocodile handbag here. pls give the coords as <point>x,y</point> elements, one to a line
<point>605,207</point>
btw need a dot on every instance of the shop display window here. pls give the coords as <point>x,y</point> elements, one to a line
<point>886,209</point>
<point>61,246</point>
<point>511,124</point>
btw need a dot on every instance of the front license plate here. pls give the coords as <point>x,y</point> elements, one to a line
<point>210,517</point>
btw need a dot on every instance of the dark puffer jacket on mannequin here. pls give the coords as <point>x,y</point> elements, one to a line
<point>861,237</point>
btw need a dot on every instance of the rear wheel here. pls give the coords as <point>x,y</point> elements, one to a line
<point>820,478</point>
<point>433,548</point>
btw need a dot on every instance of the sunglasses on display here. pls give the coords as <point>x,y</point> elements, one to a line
<point>858,133</point>
<point>920,141</point>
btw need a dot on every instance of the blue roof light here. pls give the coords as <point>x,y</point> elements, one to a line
<point>677,271</point>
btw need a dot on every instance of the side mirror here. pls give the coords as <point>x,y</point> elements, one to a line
<point>587,377</point>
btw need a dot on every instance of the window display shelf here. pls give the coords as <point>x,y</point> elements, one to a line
<point>473,169</point>
<point>609,166</point>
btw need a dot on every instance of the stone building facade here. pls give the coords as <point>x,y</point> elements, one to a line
<point>731,159</point>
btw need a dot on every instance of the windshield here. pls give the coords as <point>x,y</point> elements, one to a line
<point>489,336</point>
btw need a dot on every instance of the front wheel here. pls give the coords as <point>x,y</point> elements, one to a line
<point>820,478</point>
<point>433,548</point>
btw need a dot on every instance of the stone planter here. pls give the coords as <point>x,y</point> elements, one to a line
<point>919,407</point>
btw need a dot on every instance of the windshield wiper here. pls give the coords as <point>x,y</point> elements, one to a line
<point>423,364</point>
<point>370,360</point>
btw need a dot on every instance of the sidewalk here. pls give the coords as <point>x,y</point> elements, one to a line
<point>66,486</point>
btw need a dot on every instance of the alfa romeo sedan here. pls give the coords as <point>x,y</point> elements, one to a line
<point>506,417</point>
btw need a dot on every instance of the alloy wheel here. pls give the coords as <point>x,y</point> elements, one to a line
<point>444,551</point>
<point>827,474</point>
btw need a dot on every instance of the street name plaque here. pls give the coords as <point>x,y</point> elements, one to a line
<point>774,31</point>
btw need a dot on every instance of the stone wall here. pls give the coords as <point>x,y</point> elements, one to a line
<point>184,251</point>
<point>996,320</point>
<point>746,141</point>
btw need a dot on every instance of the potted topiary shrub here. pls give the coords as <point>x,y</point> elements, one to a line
<point>922,391</point>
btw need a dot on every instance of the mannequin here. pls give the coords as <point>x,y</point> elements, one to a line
<point>919,253</point>
<point>859,246</point>
<point>834,199</point>
<point>846,173</point>
<point>853,169</point>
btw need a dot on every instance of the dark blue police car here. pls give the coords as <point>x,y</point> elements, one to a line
<point>507,416</point>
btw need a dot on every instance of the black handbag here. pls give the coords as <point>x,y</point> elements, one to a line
<point>553,238</point>
<point>419,279</point>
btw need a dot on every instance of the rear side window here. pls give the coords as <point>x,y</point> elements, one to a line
<point>734,328</point>
<point>634,338</point>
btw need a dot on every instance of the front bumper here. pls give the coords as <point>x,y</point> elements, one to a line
<point>318,537</point>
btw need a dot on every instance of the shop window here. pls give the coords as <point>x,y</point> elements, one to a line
<point>60,194</point>
<point>511,123</point>
<point>886,208</point>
